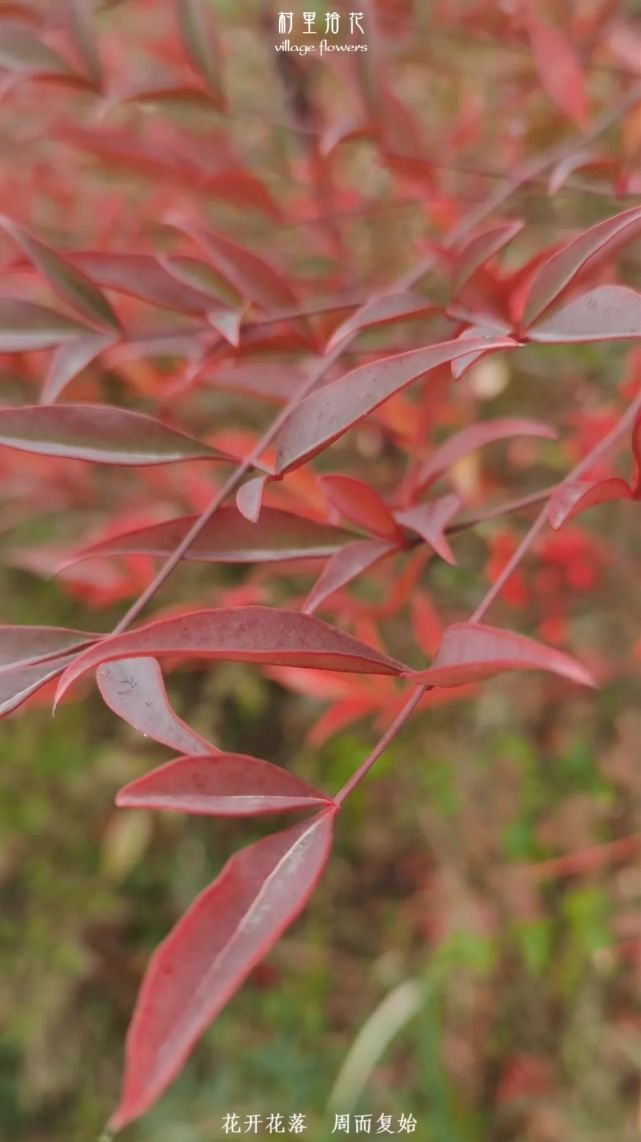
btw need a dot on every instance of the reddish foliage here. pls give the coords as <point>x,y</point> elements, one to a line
<point>162,309</point>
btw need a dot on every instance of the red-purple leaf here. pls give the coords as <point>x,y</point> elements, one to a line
<point>344,566</point>
<point>253,278</point>
<point>582,253</point>
<point>19,683</point>
<point>70,359</point>
<point>99,433</point>
<point>25,645</point>
<point>25,326</point>
<point>213,947</point>
<point>134,689</point>
<point>69,283</point>
<point>326,414</point>
<point>471,651</point>
<point>476,436</point>
<point>221,785</point>
<point>608,313</point>
<point>480,249</point>
<point>201,46</point>
<point>574,496</point>
<point>270,635</point>
<point>142,276</point>
<point>381,311</point>
<point>358,502</point>
<point>558,68</point>
<point>249,498</point>
<point>228,538</point>
<point>430,520</point>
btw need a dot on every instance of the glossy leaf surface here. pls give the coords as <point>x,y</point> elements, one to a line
<point>226,931</point>
<point>99,433</point>
<point>472,651</point>
<point>221,785</point>
<point>245,634</point>
<point>134,689</point>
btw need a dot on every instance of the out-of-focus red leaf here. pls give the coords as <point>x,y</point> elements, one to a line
<point>476,436</point>
<point>221,785</point>
<point>201,46</point>
<point>430,520</point>
<point>608,313</point>
<point>381,311</point>
<point>222,936</point>
<point>253,277</point>
<point>358,502</point>
<point>571,163</point>
<point>21,50</point>
<point>471,651</point>
<point>480,249</point>
<point>142,276</point>
<point>244,634</point>
<point>70,359</point>
<point>326,414</point>
<point>25,326</point>
<point>69,283</point>
<point>134,689</point>
<point>558,67</point>
<point>81,18</point>
<point>567,265</point>
<point>228,538</point>
<point>574,496</point>
<point>26,645</point>
<point>99,433</point>
<point>344,566</point>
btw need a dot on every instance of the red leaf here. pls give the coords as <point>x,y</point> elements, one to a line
<point>558,68</point>
<point>71,359</point>
<point>476,436</point>
<point>21,50</point>
<point>381,311</point>
<point>249,498</point>
<point>243,634</point>
<point>253,278</point>
<point>227,538</point>
<point>213,947</point>
<point>471,651</point>
<point>480,249</point>
<point>344,566</point>
<point>608,313</point>
<point>201,46</point>
<point>221,785</point>
<point>430,520</point>
<point>326,414</point>
<point>135,690</point>
<point>25,326</point>
<point>575,258</point>
<point>99,433</point>
<point>69,283</point>
<point>16,685</point>
<point>142,276</point>
<point>575,496</point>
<point>358,502</point>
<point>26,645</point>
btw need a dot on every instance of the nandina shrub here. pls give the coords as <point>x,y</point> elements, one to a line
<point>257,325</point>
